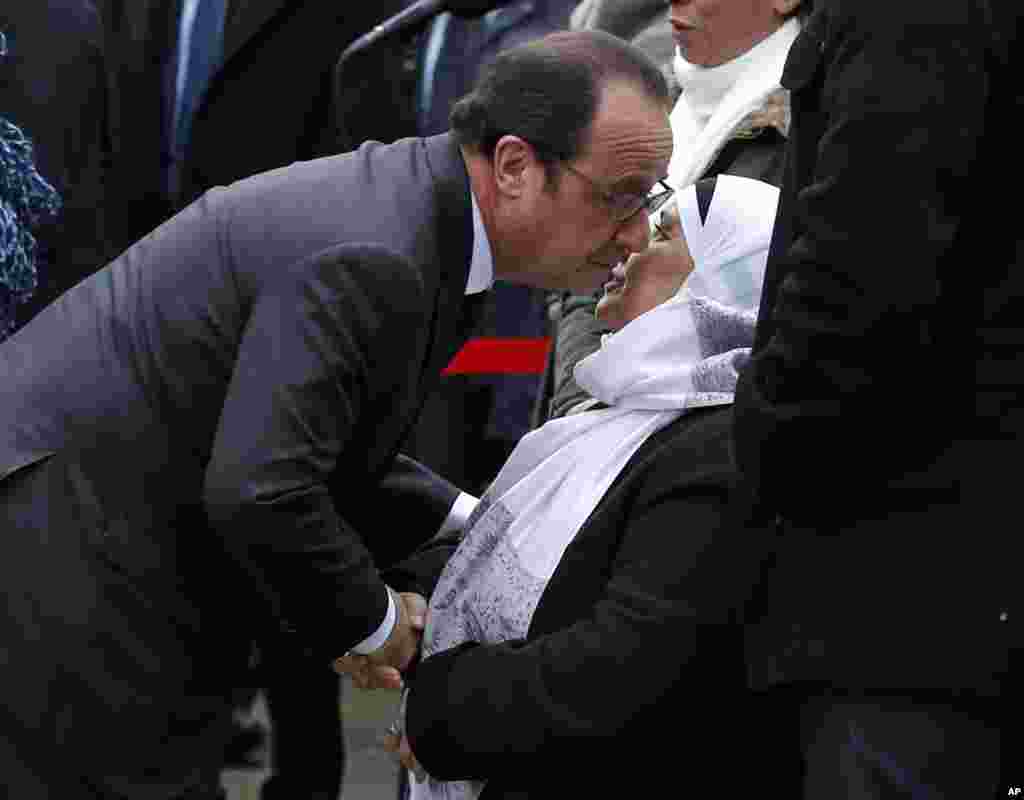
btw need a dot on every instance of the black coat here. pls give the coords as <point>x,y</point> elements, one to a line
<point>884,402</point>
<point>632,663</point>
<point>189,442</point>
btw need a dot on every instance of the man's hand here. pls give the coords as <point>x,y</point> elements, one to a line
<point>403,645</point>
<point>382,668</point>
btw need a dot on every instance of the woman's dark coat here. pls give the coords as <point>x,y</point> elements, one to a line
<point>631,676</point>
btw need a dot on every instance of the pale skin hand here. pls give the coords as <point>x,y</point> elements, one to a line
<point>382,669</point>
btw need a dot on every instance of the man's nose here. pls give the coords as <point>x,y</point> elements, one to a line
<point>634,234</point>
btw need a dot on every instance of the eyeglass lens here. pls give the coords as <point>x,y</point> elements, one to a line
<point>649,202</point>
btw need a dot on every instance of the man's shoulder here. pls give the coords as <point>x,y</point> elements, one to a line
<point>371,160</point>
<point>378,193</point>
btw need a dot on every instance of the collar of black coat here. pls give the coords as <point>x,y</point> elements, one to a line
<point>773,113</point>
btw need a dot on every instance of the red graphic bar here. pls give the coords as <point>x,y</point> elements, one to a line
<point>513,355</point>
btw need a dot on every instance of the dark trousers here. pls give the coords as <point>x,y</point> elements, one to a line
<point>884,747</point>
<point>307,740</point>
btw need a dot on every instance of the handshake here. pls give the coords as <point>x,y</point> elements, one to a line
<point>383,668</point>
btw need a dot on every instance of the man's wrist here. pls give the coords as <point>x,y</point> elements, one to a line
<point>459,513</point>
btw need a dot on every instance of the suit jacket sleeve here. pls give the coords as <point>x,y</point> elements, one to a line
<point>410,504</point>
<point>504,710</point>
<point>844,355</point>
<point>421,571</point>
<point>318,344</point>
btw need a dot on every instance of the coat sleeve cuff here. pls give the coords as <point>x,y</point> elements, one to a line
<point>460,512</point>
<point>426,722</point>
<point>376,640</point>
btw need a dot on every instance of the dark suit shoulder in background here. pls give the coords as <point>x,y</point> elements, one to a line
<point>269,103</point>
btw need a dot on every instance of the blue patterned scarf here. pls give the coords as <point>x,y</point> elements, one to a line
<point>26,199</point>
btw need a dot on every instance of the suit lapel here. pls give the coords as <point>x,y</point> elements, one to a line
<point>129,24</point>
<point>454,248</point>
<point>139,35</point>
<point>474,308</point>
<point>243,21</point>
<point>140,42</point>
<point>446,257</point>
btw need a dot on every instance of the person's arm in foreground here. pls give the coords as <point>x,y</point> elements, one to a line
<point>844,361</point>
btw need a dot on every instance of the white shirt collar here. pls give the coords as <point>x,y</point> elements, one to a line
<point>481,268</point>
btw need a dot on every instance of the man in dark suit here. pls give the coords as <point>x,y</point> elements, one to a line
<point>190,437</point>
<point>204,93</point>
<point>645,23</point>
<point>882,407</point>
<point>473,421</point>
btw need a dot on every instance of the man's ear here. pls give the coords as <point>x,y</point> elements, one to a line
<point>786,8</point>
<point>514,164</point>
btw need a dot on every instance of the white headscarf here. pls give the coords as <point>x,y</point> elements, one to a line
<point>680,355</point>
<point>729,242</point>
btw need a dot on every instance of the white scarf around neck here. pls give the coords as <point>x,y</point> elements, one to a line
<point>715,100</point>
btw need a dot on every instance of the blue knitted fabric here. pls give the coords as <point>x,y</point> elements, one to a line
<point>26,199</point>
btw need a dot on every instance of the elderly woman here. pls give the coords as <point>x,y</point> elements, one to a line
<point>582,637</point>
<point>732,117</point>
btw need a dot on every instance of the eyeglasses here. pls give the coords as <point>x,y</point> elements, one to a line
<point>625,205</point>
<point>661,226</point>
